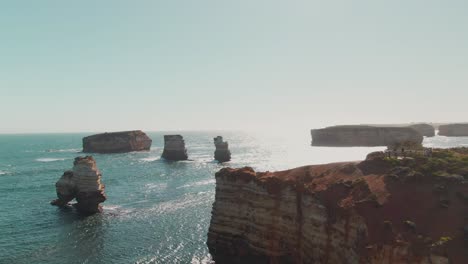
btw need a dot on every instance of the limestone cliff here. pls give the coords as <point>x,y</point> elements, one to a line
<point>82,183</point>
<point>222,152</point>
<point>454,130</point>
<point>366,136</point>
<point>174,148</point>
<point>379,211</point>
<point>117,142</point>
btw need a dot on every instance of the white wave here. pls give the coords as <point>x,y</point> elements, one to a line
<point>3,172</point>
<point>50,159</point>
<point>157,186</point>
<point>150,159</point>
<point>73,150</point>
<point>200,183</point>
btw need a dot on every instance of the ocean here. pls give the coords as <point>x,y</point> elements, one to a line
<point>156,212</point>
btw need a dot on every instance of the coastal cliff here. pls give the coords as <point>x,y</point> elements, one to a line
<point>365,136</point>
<point>82,183</point>
<point>377,211</point>
<point>454,130</point>
<point>117,142</point>
<point>425,129</point>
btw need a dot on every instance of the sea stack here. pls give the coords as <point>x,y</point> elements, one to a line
<point>370,212</point>
<point>222,153</point>
<point>82,183</point>
<point>117,142</point>
<point>364,136</point>
<point>174,148</point>
<point>454,130</point>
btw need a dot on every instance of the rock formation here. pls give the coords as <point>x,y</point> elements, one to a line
<point>365,136</point>
<point>222,153</point>
<point>381,210</point>
<point>425,129</point>
<point>454,130</point>
<point>83,183</point>
<point>174,148</point>
<point>117,142</point>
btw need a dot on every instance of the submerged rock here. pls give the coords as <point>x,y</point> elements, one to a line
<point>174,148</point>
<point>83,183</point>
<point>117,142</point>
<point>365,136</point>
<point>371,212</point>
<point>454,130</point>
<point>222,152</point>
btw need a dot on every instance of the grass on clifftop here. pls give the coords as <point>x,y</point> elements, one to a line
<point>443,162</point>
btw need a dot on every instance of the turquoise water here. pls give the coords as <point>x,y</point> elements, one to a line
<point>156,212</point>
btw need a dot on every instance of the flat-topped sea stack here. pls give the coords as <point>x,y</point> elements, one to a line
<point>117,142</point>
<point>427,130</point>
<point>222,152</point>
<point>364,136</point>
<point>82,183</point>
<point>454,130</point>
<point>174,148</point>
<point>381,210</point>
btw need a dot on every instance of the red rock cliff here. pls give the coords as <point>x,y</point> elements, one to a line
<point>376,211</point>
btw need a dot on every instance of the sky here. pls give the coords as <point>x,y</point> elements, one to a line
<point>109,65</point>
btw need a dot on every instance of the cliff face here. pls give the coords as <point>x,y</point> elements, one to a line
<point>117,142</point>
<point>424,129</point>
<point>454,130</point>
<point>83,183</point>
<point>222,152</point>
<point>174,148</point>
<point>366,136</point>
<point>372,212</point>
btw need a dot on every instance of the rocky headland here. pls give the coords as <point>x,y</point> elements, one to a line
<point>82,183</point>
<point>453,130</point>
<point>425,129</point>
<point>174,148</point>
<point>222,152</point>
<point>381,210</point>
<point>365,136</point>
<point>117,142</point>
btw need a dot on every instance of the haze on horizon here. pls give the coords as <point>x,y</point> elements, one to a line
<point>200,65</point>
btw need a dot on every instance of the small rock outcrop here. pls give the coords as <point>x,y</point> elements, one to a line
<point>401,211</point>
<point>365,136</point>
<point>222,152</point>
<point>117,142</point>
<point>425,129</point>
<point>454,130</point>
<point>174,148</point>
<point>82,183</point>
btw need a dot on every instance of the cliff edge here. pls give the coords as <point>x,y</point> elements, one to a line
<point>380,210</point>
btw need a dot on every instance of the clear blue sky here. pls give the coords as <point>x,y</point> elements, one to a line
<point>215,64</point>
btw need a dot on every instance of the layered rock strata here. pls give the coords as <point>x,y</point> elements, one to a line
<point>372,212</point>
<point>454,130</point>
<point>82,183</point>
<point>366,136</point>
<point>174,148</point>
<point>222,152</point>
<point>117,142</point>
